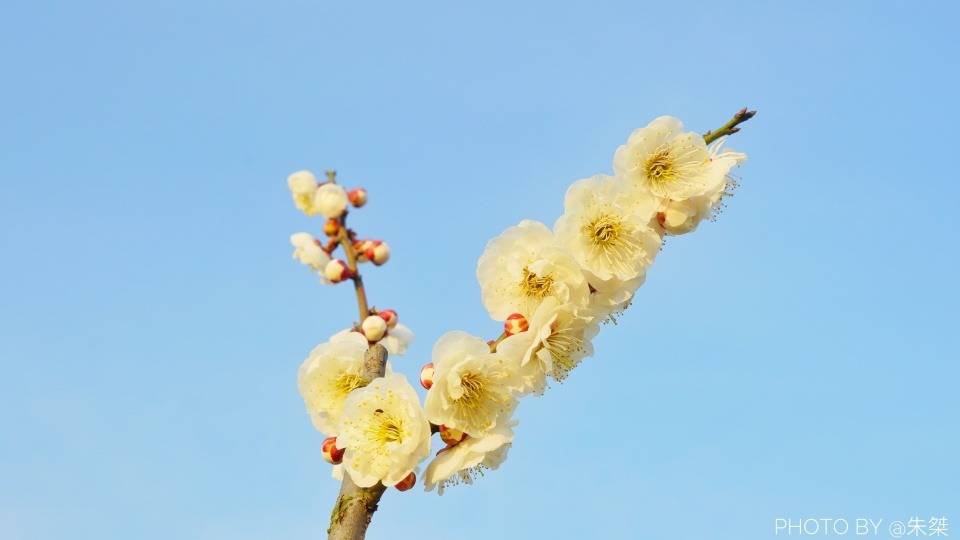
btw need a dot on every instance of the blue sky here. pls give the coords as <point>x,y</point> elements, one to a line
<point>797,358</point>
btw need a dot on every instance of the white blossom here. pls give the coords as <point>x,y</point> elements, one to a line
<point>681,217</point>
<point>606,228</point>
<point>557,340</point>
<point>464,461</point>
<point>331,200</point>
<point>384,432</point>
<point>308,251</point>
<point>524,265</point>
<point>670,163</point>
<point>473,389</point>
<point>303,187</point>
<point>328,375</point>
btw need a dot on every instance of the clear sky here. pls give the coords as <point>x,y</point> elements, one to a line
<point>797,358</point>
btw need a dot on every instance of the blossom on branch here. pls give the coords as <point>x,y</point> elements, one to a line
<point>303,187</point>
<point>473,389</point>
<point>464,461</point>
<point>524,265</point>
<point>384,431</point>
<point>558,339</point>
<point>328,375</point>
<point>307,250</point>
<point>606,228</point>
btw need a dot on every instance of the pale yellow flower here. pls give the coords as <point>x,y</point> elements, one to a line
<point>473,389</point>
<point>524,265</point>
<point>384,432</point>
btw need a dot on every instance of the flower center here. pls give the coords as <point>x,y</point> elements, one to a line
<point>386,429</point>
<point>472,385</point>
<point>661,166</point>
<point>535,286</point>
<point>348,382</point>
<point>604,230</point>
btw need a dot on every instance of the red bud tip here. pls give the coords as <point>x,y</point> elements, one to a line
<point>426,376</point>
<point>515,324</point>
<point>331,453</point>
<point>407,482</point>
<point>357,197</point>
<point>331,227</point>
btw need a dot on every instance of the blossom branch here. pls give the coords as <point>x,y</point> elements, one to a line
<point>355,505</point>
<point>730,127</point>
<point>343,236</point>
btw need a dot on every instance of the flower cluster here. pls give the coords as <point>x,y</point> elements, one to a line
<point>551,287</point>
<point>377,431</point>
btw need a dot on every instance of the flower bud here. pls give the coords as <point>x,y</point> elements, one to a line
<point>357,197</point>
<point>331,200</point>
<point>390,316</point>
<point>360,248</point>
<point>331,453</point>
<point>426,376</point>
<point>331,227</point>
<point>451,436</point>
<point>378,253</point>
<point>515,324</point>
<point>407,482</point>
<point>374,328</point>
<point>336,271</point>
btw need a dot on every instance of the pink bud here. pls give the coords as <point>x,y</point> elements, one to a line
<point>336,271</point>
<point>357,196</point>
<point>426,376</point>
<point>374,328</point>
<point>515,324</point>
<point>390,316</point>
<point>360,247</point>
<point>331,453</point>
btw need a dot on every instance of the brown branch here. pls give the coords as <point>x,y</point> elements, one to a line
<point>355,505</point>
<point>730,127</point>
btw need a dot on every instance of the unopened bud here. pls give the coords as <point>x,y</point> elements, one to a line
<point>515,324</point>
<point>336,271</point>
<point>374,328</point>
<point>360,248</point>
<point>451,436</point>
<point>331,227</point>
<point>357,196</point>
<point>331,453</point>
<point>390,316</point>
<point>426,376</point>
<point>407,482</point>
<point>379,253</point>
<point>331,200</point>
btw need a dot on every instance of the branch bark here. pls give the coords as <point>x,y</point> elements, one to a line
<point>355,505</point>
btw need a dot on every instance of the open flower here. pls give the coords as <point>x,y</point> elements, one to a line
<point>464,461</point>
<point>605,227</point>
<point>524,265</point>
<point>307,250</point>
<point>557,340</point>
<point>303,187</point>
<point>328,375</point>
<point>473,389</point>
<point>680,217</point>
<point>670,163</point>
<point>384,431</point>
